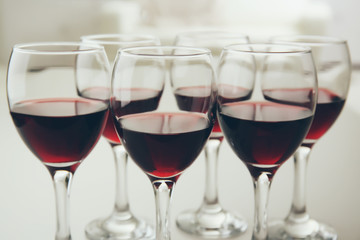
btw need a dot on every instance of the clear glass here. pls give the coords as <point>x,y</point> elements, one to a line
<point>211,219</point>
<point>166,132</point>
<point>333,64</point>
<point>266,101</point>
<point>121,223</point>
<point>58,96</point>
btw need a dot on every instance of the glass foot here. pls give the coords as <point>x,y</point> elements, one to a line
<point>311,230</point>
<point>220,224</point>
<point>117,227</point>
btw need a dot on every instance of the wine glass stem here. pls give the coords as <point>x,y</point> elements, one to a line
<point>62,182</point>
<point>262,187</point>
<point>163,191</point>
<point>121,197</point>
<point>298,212</point>
<point>211,188</point>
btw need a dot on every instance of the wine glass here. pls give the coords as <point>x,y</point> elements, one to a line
<point>45,86</point>
<point>166,140</point>
<point>121,223</point>
<point>332,60</point>
<point>266,101</point>
<point>211,219</point>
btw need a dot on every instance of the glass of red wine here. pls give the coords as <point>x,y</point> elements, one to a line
<point>266,102</point>
<point>121,223</point>
<point>211,219</point>
<point>333,64</point>
<point>55,120</point>
<point>165,140</point>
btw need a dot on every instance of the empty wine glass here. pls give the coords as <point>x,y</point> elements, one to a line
<point>165,140</point>
<point>266,101</point>
<point>332,60</point>
<point>211,219</point>
<point>45,85</point>
<point>121,223</point>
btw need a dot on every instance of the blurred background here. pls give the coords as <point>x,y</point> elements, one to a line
<point>39,20</point>
<point>27,207</point>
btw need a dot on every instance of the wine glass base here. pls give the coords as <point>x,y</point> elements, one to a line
<point>312,230</point>
<point>211,225</point>
<point>113,228</point>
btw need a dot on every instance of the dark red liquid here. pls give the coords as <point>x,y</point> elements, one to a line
<point>110,131</point>
<point>60,132</point>
<point>303,97</point>
<point>194,99</point>
<point>131,101</point>
<point>197,99</point>
<point>229,93</point>
<point>264,133</point>
<point>328,108</point>
<point>216,131</point>
<point>164,144</point>
<point>128,101</point>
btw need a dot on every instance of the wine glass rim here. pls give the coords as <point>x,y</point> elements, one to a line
<point>57,48</point>
<point>144,51</point>
<point>307,40</point>
<point>260,48</point>
<point>205,34</point>
<point>119,38</point>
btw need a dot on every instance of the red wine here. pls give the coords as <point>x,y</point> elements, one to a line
<point>264,133</point>
<point>197,99</point>
<point>303,97</point>
<point>110,131</point>
<point>130,101</point>
<point>216,131</point>
<point>328,108</point>
<point>134,100</point>
<point>164,144</point>
<point>229,93</point>
<point>60,132</point>
<point>194,99</point>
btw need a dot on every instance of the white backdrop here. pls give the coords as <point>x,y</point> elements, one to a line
<point>27,208</point>
<point>43,20</point>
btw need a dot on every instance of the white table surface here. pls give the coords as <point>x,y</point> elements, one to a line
<point>27,205</point>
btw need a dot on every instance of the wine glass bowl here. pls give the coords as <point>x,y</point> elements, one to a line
<point>266,101</point>
<point>121,223</point>
<point>211,219</point>
<point>60,125</point>
<point>166,140</point>
<point>112,42</point>
<point>333,64</point>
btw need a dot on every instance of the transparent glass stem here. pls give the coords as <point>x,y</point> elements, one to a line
<point>62,182</point>
<point>121,196</point>
<point>262,187</point>
<point>298,213</point>
<point>163,191</point>
<point>211,201</point>
<point>121,223</point>
<point>211,220</point>
<point>298,224</point>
